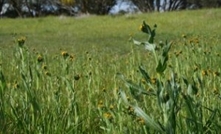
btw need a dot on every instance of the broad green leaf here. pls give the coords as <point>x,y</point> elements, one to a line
<point>146,28</point>
<point>135,86</point>
<point>124,97</point>
<point>191,88</point>
<point>151,38</point>
<point>166,49</point>
<point>161,67</point>
<point>138,89</point>
<point>148,120</point>
<point>185,81</point>
<point>138,42</point>
<point>162,63</point>
<point>149,46</point>
<point>145,74</point>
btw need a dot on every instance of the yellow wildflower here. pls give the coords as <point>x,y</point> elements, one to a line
<point>103,89</point>
<point>130,110</point>
<point>215,91</point>
<point>195,68</point>
<point>108,115</point>
<point>40,58</point>
<point>64,54</point>
<point>44,67</point>
<point>15,85</point>
<point>111,107</point>
<point>47,73</point>
<point>184,36</point>
<point>21,41</point>
<point>141,27</point>
<point>141,121</point>
<point>204,72</point>
<point>196,40</point>
<point>216,73</point>
<point>153,80</point>
<point>72,57</point>
<point>100,104</point>
<point>143,80</point>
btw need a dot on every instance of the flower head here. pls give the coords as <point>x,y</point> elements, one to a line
<point>47,73</point>
<point>64,54</point>
<point>216,73</point>
<point>44,67</point>
<point>21,41</point>
<point>153,80</point>
<point>141,121</point>
<point>15,85</point>
<point>108,115</point>
<point>40,58</point>
<point>204,72</point>
<point>72,57</point>
<point>184,36</point>
<point>141,27</point>
<point>216,91</point>
<point>111,107</point>
<point>100,104</point>
<point>130,110</point>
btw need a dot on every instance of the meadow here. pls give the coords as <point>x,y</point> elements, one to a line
<point>87,74</point>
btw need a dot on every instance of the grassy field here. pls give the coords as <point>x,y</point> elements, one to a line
<point>83,75</point>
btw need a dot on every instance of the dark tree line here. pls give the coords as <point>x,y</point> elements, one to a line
<point>170,5</point>
<point>100,7</point>
<point>33,8</point>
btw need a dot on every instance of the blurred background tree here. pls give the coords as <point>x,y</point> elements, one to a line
<point>100,7</point>
<point>145,5</point>
<point>33,8</point>
<point>68,2</point>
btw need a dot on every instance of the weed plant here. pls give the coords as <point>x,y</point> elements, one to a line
<point>181,103</point>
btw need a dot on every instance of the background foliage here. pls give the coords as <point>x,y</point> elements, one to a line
<point>33,8</point>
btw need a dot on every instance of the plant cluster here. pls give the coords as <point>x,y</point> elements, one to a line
<point>180,101</point>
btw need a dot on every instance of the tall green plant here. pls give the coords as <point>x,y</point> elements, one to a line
<point>175,96</point>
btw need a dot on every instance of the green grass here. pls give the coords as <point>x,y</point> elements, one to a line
<point>85,32</point>
<point>80,94</point>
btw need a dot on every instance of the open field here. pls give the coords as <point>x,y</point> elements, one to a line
<point>87,31</point>
<point>63,79</point>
